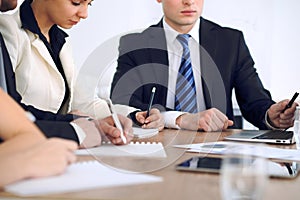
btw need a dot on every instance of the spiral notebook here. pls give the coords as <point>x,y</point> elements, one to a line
<point>137,149</point>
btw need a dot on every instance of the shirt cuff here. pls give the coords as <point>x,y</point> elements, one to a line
<point>80,133</point>
<point>268,123</point>
<point>170,118</point>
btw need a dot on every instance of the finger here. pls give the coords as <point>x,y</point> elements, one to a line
<point>117,141</point>
<point>140,117</point>
<point>286,116</point>
<point>126,123</point>
<point>68,144</point>
<point>206,126</point>
<point>280,106</point>
<point>109,130</point>
<point>129,137</point>
<point>202,124</point>
<point>71,145</point>
<point>150,125</point>
<point>212,124</point>
<point>287,122</point>
<point>153,115</point>
<point>218,120</point>
<point>71,157</point>
<point>230,123</point>
<point>291,110</point>
<point>225,125</point>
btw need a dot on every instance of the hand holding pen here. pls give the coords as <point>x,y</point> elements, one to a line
<point>151,118</point>
<point>151,101</point>
<point>290,103</point>
<point>282,117</point>
<point>116,121</point>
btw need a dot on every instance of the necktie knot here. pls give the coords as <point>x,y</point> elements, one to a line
<point>183,39</point>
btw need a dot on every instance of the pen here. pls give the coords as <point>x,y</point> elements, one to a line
<point>291,101</point>
<point>116,120</point>
<point>151,101</point>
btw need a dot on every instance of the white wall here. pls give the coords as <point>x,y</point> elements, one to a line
<point>110,18</point>
<point>271,29</point>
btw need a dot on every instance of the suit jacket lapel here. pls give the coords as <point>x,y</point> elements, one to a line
<point>159,58</point>
<point>207,38</point>
<point>41,49</point>
<point>212,81</point>
<point>9,73</point>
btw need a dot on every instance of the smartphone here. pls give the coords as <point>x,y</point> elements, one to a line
<point>213,165</point>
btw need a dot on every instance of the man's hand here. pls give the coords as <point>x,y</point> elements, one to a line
<point>208,120</point>
<point>279,119</point>
<point>109,132</point>
<point>155,119</point>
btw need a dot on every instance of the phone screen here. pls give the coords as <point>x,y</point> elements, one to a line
<point>213,165</point>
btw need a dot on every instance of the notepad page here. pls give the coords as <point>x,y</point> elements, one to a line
<point>133,149</point>
<point>144,133</point>
<point>79,176</point>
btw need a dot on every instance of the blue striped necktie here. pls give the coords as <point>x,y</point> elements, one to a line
<point>185,94</point>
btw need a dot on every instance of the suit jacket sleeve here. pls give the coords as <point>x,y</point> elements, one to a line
<point>57,129</point>
<point>254,100</point>
<point>51,124</point>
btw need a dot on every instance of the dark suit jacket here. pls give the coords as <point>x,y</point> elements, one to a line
<point>52,125</point>
<point>226,64</point>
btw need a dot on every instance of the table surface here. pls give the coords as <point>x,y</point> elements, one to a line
<point>175,184</point>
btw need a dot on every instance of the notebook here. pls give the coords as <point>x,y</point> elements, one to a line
<point>265,136</point>
<point>144,133</point>
<point>78,177</point>
<point>137,149</point>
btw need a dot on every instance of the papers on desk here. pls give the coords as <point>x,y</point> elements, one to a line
<point>133,149</point>
<point>79,176</point>
<point>222,146</point>
<point>144,133</point>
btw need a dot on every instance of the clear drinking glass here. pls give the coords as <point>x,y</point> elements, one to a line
<point>297,127</point>
<point>243,176</point>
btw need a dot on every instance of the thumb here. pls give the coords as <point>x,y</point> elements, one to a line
<point>230,123</point>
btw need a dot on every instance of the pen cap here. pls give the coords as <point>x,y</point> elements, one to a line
<point>153,89</point>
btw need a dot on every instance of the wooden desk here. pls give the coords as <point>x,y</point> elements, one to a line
<point>175,185</point>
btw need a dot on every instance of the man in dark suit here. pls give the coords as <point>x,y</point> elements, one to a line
<point>86,132</point>
<point>220,62</point>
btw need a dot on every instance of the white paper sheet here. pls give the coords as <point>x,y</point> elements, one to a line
<point>79,176</point>
<point>144,133</point>
<point>265,151</point>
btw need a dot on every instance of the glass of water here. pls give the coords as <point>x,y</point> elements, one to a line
<point>243,175</point>
<point>297,127</point>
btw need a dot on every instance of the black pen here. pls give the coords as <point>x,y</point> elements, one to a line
<point>291,101</point>
<point>151,101</point>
